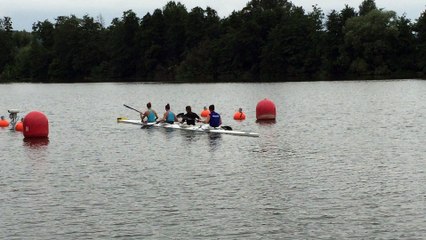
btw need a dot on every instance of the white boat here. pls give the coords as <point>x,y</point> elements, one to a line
<point>197,128</point>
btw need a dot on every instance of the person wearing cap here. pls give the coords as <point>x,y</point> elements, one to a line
<point>190,117</point>
<point>213,119</point>
<point>150,114</point>
<point>169,116</point>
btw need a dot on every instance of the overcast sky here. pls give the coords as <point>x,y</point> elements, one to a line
<point>25,12</point>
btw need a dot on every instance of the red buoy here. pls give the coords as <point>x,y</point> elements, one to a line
<point>265,110</point>
<point>36,125</point>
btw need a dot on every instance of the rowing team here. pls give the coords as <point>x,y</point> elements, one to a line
<point>213,119</point>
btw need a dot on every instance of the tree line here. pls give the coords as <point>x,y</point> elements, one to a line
<point>268,40</point>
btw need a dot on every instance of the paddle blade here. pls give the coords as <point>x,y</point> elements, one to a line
<point>119,119</point>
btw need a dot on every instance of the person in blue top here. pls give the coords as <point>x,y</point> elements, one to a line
<point>169,116</point>
<point>150,114</point>
<point>213,119</point>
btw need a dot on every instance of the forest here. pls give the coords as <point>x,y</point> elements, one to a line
<point>267,40</point>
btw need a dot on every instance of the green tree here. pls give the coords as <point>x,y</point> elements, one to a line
<point>291,48</point>
<point>66,48</point>
<point>246,32</point>
<point>6,43</point>
<point>41,51</point>
<point>124,45</point>
<point>152,41</point>
<point>404,59</point>
<point>43,33</point>
<point>199,64</point>
<point>175,16</point>
<point>420,28</point>
<point>366,7</point>
<point>201,25</point>
<point>371,40</point>
<point>91,47</point>
<point>335,63</point>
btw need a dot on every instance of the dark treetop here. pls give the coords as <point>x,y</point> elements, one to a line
<point>268,40</point>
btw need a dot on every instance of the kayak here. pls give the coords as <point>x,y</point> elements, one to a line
<point>197,128</point>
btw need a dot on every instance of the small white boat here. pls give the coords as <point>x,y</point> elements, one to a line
<point>197,128</point>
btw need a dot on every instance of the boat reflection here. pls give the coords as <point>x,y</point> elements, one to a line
<point>215,140</point>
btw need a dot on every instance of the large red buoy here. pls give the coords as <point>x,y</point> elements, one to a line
<point>265,110</point>
<point>36,125</point>
<point>4,122</point>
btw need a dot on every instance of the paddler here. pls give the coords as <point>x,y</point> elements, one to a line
<point>240,115</point>
<point>213,119</point>
<point>190,117</point>
<point>169,116</point>
<point>150,114</point>
<point>205,112</point>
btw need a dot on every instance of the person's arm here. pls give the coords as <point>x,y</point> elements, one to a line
<point>143,115</point>
<point>196,116</point>
<point>164,117</point>
<point>155,113</point>
<point>207,119</point>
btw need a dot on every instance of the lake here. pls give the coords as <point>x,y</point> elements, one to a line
<point>344,160</point>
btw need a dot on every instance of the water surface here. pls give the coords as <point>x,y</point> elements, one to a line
<point>344,160</point>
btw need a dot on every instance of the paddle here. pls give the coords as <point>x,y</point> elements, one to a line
<point>180,115</point>
<point>132,108</point>
<point>226,128</point>
<point>127,106</point>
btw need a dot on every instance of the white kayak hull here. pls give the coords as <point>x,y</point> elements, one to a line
<point>198,128</point>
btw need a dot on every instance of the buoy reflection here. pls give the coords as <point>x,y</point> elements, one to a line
<point>36,142</point>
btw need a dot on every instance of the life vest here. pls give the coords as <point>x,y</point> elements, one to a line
<point>170,117</point>
<point>239,116</point>
<point>151,116</point>
<point>214,119</point>
<point>205,113</point>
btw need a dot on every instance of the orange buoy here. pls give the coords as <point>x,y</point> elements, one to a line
<point>4,122</point>
<point>205,112</point>
<point>19,126</point>
<point>36,125</point>
<point>265,110</point>
<point>239,115</point>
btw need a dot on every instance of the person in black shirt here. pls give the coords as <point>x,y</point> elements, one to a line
<point>190,117</point>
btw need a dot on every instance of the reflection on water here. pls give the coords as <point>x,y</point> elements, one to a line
<point>36,148</point>
<point>36,143</point>
<point>266,122</point>
<point>214,141</point>
<point>190,136</point>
